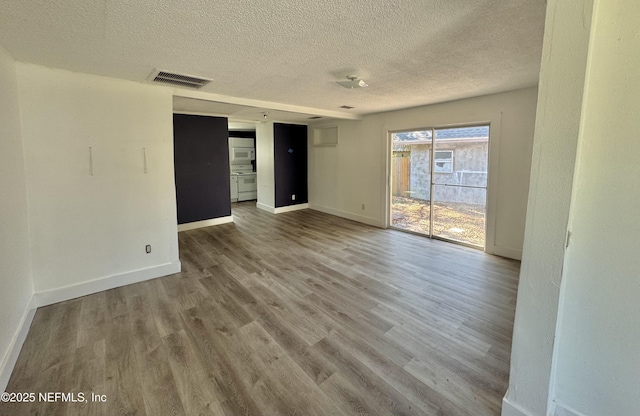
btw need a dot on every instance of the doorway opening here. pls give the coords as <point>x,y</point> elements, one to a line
<point>242,163</point>
<point>439,183</point>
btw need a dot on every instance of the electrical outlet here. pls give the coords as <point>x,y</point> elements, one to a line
<point>293,197</point>
<point>148,248</point>
<point>363,206</point>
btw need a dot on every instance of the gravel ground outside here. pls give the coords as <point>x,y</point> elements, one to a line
<point>454,221</point>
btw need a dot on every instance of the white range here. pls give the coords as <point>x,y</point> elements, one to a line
<point>246,182</point>
<point>242,155</point>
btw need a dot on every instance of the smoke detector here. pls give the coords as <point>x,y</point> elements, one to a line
<point>353,82</point>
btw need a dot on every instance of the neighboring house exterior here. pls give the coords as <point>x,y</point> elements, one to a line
<point>461,158</point>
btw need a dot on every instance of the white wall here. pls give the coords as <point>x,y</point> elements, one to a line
<point>86,227</point>
<point>556,136</point>
<point>598,358</point>
<point>16,284</point>
<point>265,170</point>
<point>344,177</point>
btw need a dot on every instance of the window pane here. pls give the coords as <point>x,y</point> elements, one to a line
<point>411,181</point>
<point>464,152</point>
<point>444,155</point>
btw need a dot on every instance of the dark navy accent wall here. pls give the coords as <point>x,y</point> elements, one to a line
<point>290,160</point>
<point>201,159</point>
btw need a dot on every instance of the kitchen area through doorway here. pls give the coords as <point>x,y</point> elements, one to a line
<point>243,181</point>
<point>217,159</point>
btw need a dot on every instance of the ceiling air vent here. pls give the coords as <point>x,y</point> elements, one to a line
<point>178,79</point>
<point>314,117</point>
<point>346,107</point>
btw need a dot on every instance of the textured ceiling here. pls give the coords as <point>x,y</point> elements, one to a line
<point>410,52</point>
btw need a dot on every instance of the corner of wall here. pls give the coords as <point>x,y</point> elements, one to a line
<point>265,168</point>
<point>16,343</point>
<point>17,305</point>
<point>509,253</point>
<point>511,409</point>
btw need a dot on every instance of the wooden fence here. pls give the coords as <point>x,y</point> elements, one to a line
<point>400,173</point>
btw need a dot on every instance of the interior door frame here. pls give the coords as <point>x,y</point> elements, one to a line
<point>494,121</point>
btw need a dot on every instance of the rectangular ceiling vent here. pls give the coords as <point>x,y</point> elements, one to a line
<point>180,80</point>
<point>314,117</point>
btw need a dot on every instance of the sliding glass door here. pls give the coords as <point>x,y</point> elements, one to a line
<point>411,181</point>
<point>439,183</point>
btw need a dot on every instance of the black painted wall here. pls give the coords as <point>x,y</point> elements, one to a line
<point>201,159</point>
<point>290,160</point>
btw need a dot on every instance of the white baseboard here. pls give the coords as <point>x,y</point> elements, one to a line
<point>15,346</point>
<point>511,409</point>
<point>290,208</point>
<point>354,217</point>
<point>505,252</point>
<point>205,223</point>
<point>265,207</point>
<point>105,283</point>
<point>560,410</point>
<point>280,210</point>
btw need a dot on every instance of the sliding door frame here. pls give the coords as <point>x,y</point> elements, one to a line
<point>494,122</point>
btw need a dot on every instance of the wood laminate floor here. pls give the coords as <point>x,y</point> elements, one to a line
<point>300,313</point>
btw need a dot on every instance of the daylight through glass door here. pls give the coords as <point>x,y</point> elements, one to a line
<point>439,183</point>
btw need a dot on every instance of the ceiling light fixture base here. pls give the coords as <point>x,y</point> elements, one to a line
<point>353,82</point>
